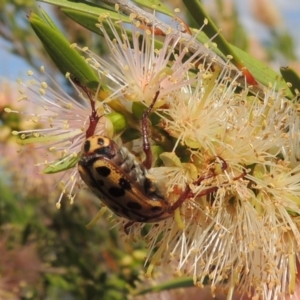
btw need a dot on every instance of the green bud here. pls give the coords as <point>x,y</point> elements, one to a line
<point>116,122</point>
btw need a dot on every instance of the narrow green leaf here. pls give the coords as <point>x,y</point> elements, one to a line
<point>157,150</point>
<point>85,19</point>
<point>97,9</point>
<point>65,58</point>
<point>58,281</point>
<point>89,21</point>
<point>87,8</point>
<point>199,14</point>
<point>131,134</point>
<point>262,72</point>
<point>290,76</point>
<point>31,139</point>
<point>90,12</point>
<point>172,284</point>
<point>62,164</point>
<point>49,21</point>
<point>157,5</point>
<point>138,109</point>
<point>256,68</point>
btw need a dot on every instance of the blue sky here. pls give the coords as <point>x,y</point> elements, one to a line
<point>289,10</point>
<point>13,67</point>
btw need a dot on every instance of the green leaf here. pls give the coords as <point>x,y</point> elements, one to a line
<point>290,76</point>
<point>199,14</point>
<point>131,134</point>
<point>157,5</point>
<point>85,19</point>
<point>262,72</point>
<point>256,69</point>
<point>49,21</point>
<point>157,150</point>
<point>25,140</point>
<point>97,9</point>
<point>62,164</point>
<point>172,284</point>
<point>87,14</point>
<point>89,21</point>
<point>138,109</point>
<point>67,59</point>
<point>58,281</point>
<point>88,10</point>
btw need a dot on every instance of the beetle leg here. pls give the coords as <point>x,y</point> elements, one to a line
<point>94,117</point>
<point>187,192</point>
<point>181,199</point>
<point>127,226</point>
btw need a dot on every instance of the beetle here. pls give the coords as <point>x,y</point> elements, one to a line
<point>122,183</point>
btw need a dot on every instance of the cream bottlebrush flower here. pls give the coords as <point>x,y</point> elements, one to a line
<point>135,69</point>
<point>56,127</point>
<point>241,224</point>
<point>237,186</point>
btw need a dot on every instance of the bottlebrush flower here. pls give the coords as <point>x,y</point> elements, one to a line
<point>239,228</point>
<point>56,128</point>
<point>238,225</point>
<point>230,160</point>
<point>234,155</point>
<point>136,68</point>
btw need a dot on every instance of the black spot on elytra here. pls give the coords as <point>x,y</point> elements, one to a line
<point>116,192</point>
<point>125,184</point>
<point>103,171</point>
<point>115,209</point>
<point>100,182</point>
<point>93,183</point>
<point>155,208</point>
<point>100,141</point>
<point>134,205</point>
<point>87,146</point>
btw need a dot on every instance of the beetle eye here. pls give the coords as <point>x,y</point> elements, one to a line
<point>100,141</point>
<point>87,146</point>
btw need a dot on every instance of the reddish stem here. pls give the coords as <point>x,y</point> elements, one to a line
<point>94,118</point>
<point>146,144</point>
